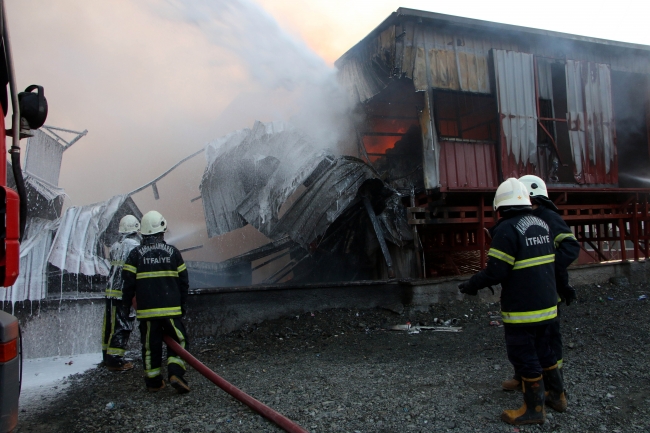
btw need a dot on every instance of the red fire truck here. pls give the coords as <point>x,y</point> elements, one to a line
<point>29,111</point>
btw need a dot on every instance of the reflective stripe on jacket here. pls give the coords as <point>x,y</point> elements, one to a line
<point>522,260</point>
<point>156,275</point>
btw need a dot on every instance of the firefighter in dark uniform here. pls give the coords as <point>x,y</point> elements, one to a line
<point>521,258</point>
<point>118,323</point>
<point>567,250</point>
<point>156,275</point>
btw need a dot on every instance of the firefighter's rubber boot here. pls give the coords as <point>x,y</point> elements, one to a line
<point>179,384</point>
<point>513,384</point>
<point>555,397</point>
<point>155,387</point>
<point>532,411</point>
<point>122,366</point>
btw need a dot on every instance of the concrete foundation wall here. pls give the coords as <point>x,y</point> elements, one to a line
<point>53,328</point>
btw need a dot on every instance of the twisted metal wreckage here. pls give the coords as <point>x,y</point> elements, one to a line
<point>331,215</point>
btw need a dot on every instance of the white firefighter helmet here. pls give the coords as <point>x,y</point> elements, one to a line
<point>153,222</point>
<point>129,224</point>
<point>534,185</point>
<point>510,193</point>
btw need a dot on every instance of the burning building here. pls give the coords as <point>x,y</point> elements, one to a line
<point>453,106</point>
<point>449,107</point>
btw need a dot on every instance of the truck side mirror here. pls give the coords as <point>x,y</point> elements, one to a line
<point>33,106</point>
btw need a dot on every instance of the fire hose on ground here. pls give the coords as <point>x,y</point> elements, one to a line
<point>240,395</point>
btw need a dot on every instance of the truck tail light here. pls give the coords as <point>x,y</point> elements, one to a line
<point>8,350</point>
<point>9,235</point>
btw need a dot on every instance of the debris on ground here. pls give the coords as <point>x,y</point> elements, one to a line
<point>340,371</point>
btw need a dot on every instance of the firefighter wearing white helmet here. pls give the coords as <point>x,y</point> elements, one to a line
<point>129,224</point>
<point>118,323</point>
<point>153,222</point>
<point>521,259</point>
<point>567,250</point>
<point>511,193</point>
<point>156,275</point>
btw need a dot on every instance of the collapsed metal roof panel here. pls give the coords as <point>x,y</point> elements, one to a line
<point>48,191</point>
<point>43,157</point>
<point>326,199</point>
<point>251,173</point>
<point>77,248</point>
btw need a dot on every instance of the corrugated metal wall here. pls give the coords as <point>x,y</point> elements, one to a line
<point>515,88</point>
<point>32,281</point>
<point>591,122</point>
<point>467,165</point>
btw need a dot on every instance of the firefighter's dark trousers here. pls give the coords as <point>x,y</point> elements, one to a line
<point>529,349</point>
<point>556,339</point>
<point>116,330</point>
<point>152,332</point>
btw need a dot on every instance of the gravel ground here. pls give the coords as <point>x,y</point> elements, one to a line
<point>343,370</point>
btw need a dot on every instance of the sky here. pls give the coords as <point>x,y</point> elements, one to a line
<point>155,80</point>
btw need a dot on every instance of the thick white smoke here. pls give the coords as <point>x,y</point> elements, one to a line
<point>285,79</point>
<point>278,78</point>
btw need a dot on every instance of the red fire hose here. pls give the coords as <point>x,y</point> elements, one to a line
<point>240,395</point>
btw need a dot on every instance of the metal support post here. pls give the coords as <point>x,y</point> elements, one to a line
<point>621,237</point>
<point>481,231</point>
<point>635,231</point>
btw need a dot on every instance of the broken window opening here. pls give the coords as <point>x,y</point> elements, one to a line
<point>565,169</point>
<point>552,129</point>
<point>464,116</point>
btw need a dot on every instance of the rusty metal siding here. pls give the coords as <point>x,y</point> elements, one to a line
<point>386,49</point>
<point>457,57</point>
<point>367,71</point>
<point>442,60</point>
<point>515,84</point>
<point>591,122</point>
<point>360,79</point>
<point>467,165</point>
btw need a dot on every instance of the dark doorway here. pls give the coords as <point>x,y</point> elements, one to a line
<point>630,100</point>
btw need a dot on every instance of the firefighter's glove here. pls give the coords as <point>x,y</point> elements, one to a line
<point>468,289</point>
<point>568,294</point>
<point>183,310</point>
